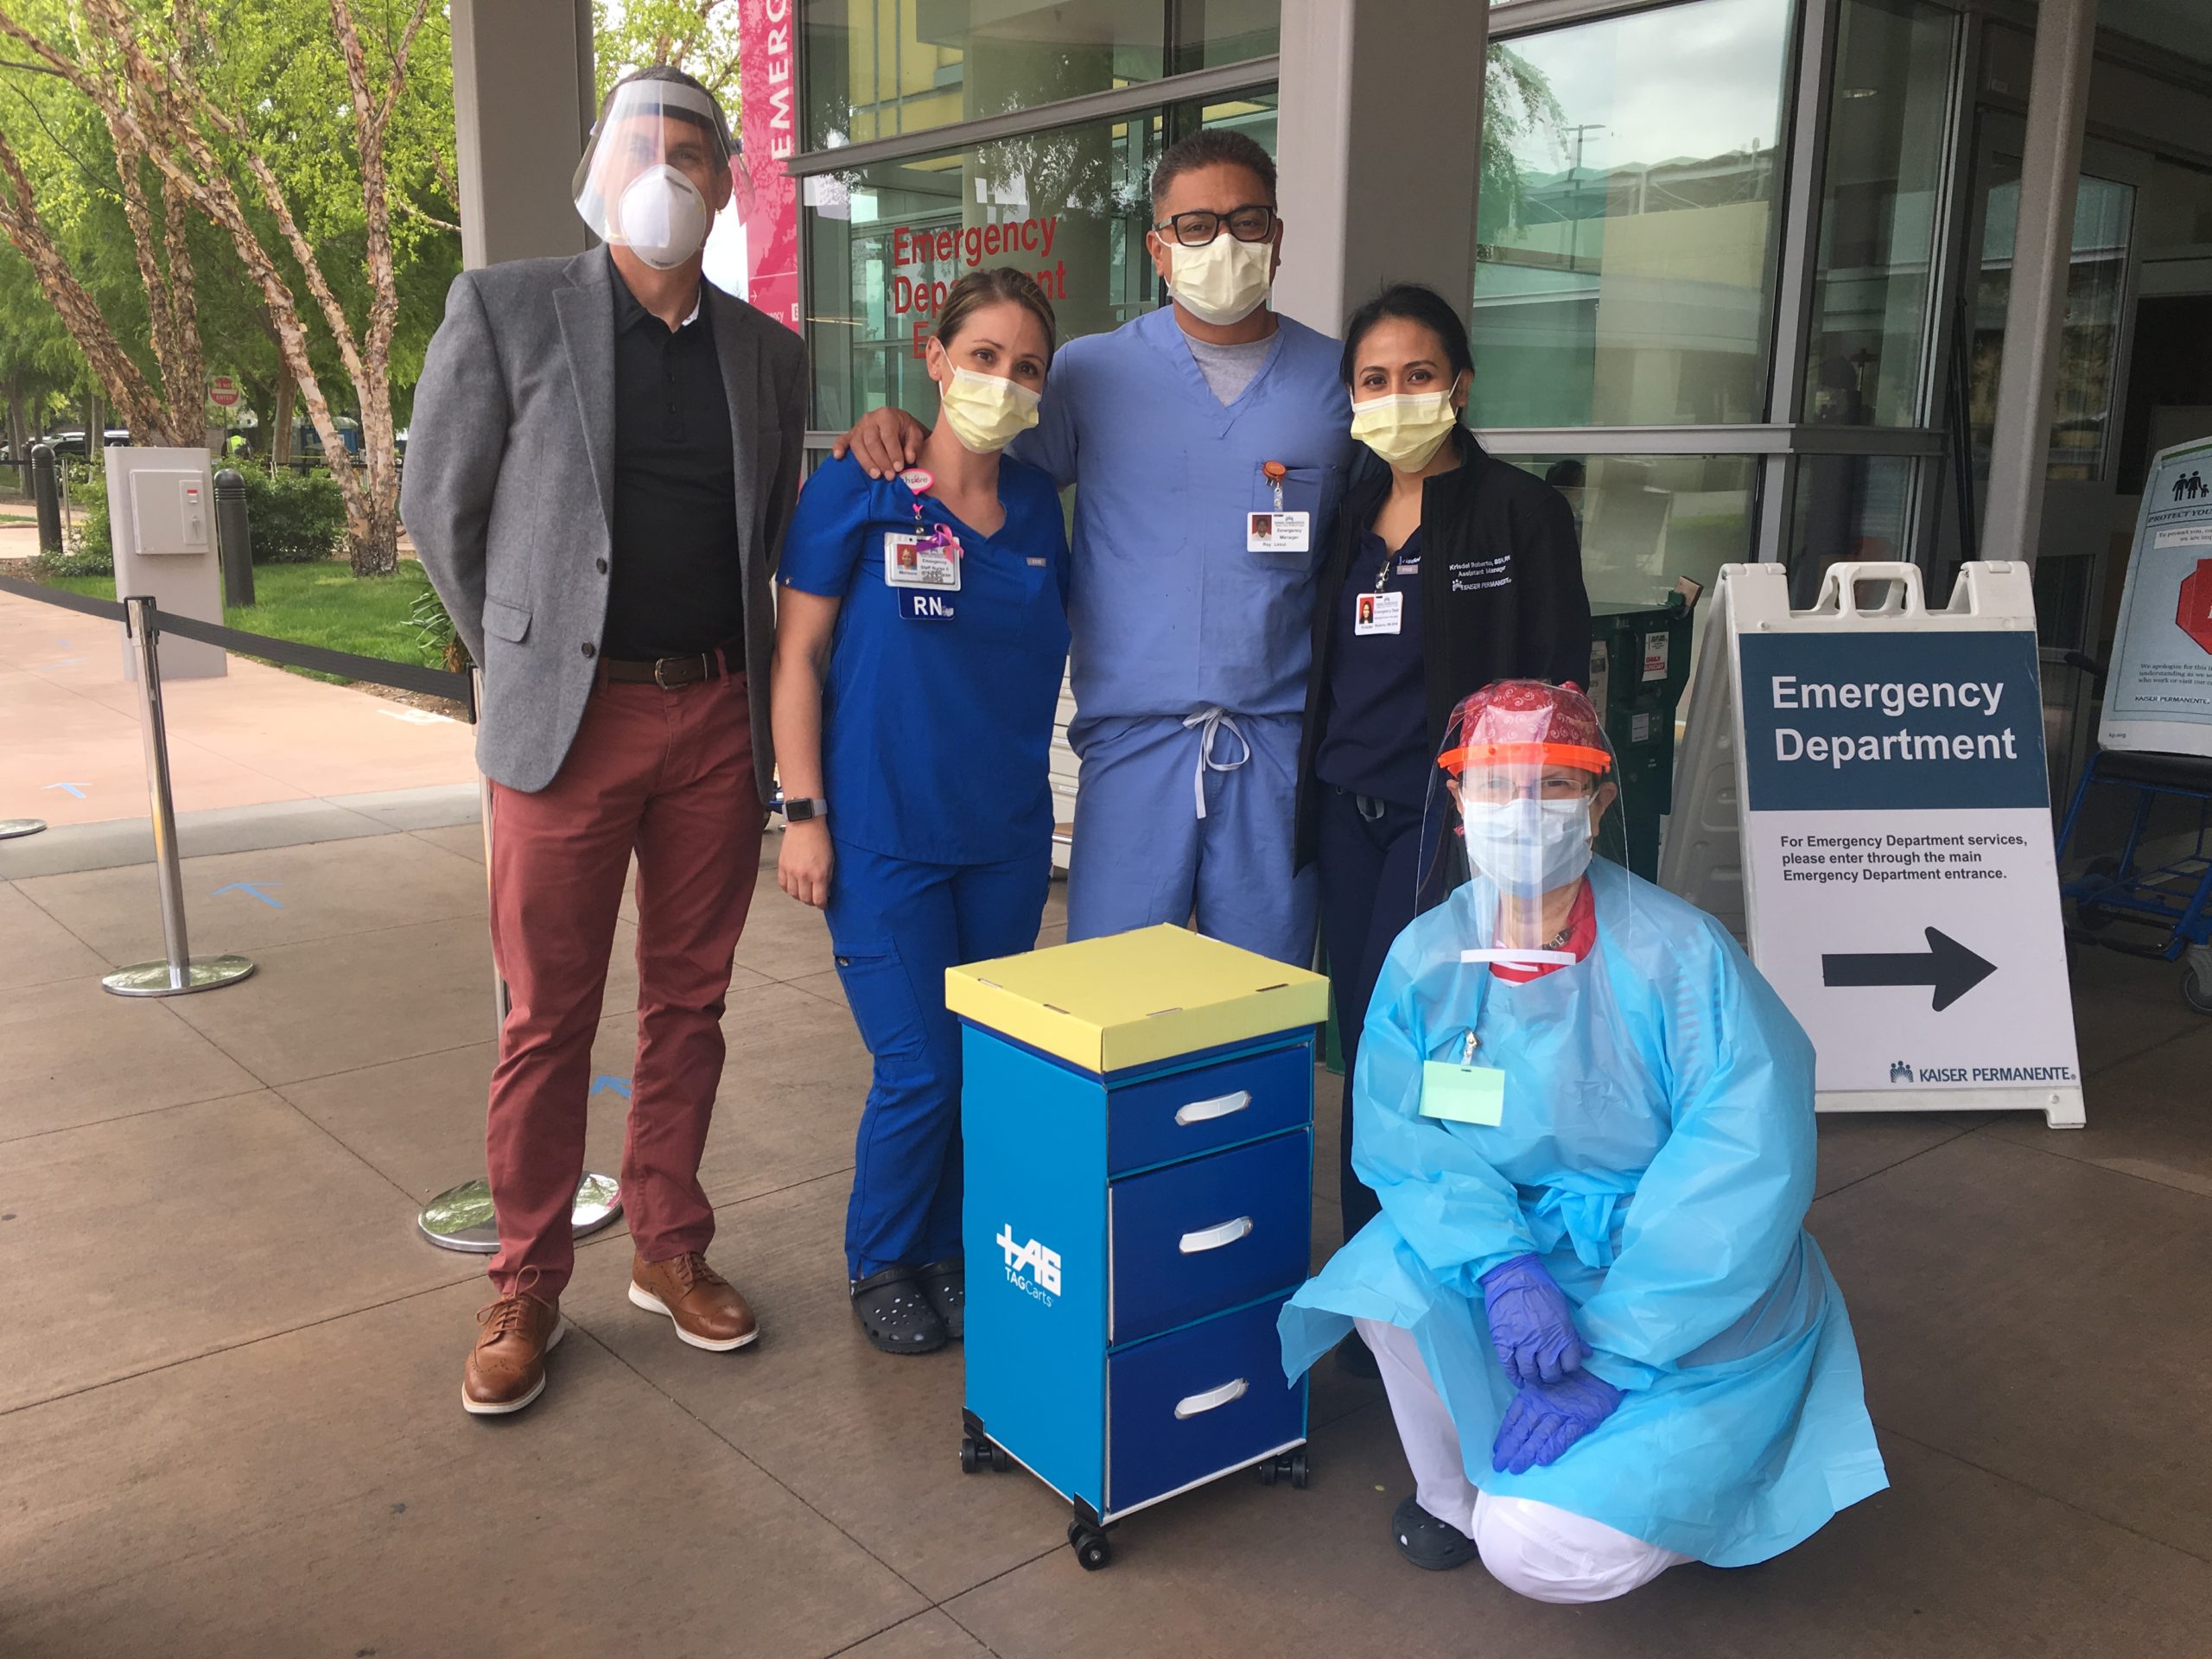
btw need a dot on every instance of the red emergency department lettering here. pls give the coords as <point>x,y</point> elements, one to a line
<point>923,297</point>
<point>970,244</point>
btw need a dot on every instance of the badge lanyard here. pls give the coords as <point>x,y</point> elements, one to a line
<point>935,537</point>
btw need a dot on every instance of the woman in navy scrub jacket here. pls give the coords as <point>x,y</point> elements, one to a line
<point>921,634</point>
<point>1448,569</point>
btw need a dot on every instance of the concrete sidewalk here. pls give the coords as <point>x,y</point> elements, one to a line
<point>70,751</point>
<point>229,1422</point>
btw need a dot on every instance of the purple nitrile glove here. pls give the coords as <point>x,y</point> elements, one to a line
<point>1546,1418</point>
<point>1531,1325</point>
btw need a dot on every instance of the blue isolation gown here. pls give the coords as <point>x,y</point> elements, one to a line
<point>1656,1149</point>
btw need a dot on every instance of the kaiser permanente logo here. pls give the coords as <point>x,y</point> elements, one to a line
<point>1042,1266</point>
<point>1902,1072</point>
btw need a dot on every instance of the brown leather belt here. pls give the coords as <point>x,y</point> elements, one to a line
<point>666,672</point>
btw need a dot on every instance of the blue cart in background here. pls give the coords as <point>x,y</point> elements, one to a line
<point>2163,910</point>
<point>1137,1114</point>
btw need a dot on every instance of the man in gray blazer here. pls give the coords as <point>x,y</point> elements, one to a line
<point>604,455</point>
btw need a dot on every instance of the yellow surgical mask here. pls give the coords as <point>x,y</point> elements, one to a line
<point>1225,280</point>
<point>985,411</point>
<point>1406,427</point>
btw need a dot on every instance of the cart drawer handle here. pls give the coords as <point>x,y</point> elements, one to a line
<point>1191,1405</point>
<point>1199,1111</point>
<point>1213,1237</point>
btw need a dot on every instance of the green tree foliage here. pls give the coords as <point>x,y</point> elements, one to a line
<point>698,36</point>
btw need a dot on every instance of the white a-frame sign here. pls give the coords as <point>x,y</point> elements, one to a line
<point>1861,794</point>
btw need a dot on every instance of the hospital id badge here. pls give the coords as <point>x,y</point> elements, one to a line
<point>1277,533</point>
<point>920,561</point>
<point>1462,1094</point>
<point>1377,613</point>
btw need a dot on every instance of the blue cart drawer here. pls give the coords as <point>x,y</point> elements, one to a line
<point>1199,1403</point>
<point>1196,1237</point>
<point>1190,1112</point>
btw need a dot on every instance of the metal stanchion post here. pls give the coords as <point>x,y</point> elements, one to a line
<point>180,971</point>
<point>461,1217</point>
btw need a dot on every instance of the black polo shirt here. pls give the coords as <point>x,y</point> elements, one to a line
<point>677,588</point>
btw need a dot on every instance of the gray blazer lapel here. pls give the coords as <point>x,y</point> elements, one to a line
<point>741,357</point>
<point>587,312</point>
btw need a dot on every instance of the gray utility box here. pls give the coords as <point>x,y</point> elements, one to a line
<point>161,514</point>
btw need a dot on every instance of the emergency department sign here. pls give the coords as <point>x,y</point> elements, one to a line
<point>1894,834</point>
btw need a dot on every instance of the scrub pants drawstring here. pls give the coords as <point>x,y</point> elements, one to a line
<point>1212,722</point>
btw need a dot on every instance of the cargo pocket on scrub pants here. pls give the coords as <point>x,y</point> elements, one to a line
<point>889,1011</point>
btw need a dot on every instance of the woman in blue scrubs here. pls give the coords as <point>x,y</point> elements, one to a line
<point>921,634</point>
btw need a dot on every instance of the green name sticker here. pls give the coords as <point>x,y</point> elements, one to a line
<point>1464,1094</point>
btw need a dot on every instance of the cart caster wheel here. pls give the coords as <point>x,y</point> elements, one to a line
<point>972,1456</point>
<point>2088,915</point>
<point>2197,987</point>
<point>1092,1549</point>
<point>1288,1465</point>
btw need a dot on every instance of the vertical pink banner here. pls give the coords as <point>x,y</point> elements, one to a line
<point>768,130</point>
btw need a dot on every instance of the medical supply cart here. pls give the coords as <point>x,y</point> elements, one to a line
<point>1138,1117</point>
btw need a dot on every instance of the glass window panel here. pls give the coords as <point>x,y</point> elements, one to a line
<point>1848,508</point>
<point>1889,113</point>
<point>2176,210</point>
<point>876,68</point>
<point>1072,206</point>
<point>2080,432</point>
<point>1645,520</point>
<point>1632,170</point>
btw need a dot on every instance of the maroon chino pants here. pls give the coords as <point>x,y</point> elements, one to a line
<point>669,774</point>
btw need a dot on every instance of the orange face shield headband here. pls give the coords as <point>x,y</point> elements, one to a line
<point>1582,758</point>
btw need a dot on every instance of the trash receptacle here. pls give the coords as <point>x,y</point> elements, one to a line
<point>1639,666</point>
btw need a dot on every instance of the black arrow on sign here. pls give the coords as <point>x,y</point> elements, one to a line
<point>1946,964</point>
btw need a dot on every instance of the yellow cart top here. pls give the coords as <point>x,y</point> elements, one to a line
<point>1135,998</point>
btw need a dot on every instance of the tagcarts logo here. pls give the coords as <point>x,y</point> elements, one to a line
<point>1041,1266</point>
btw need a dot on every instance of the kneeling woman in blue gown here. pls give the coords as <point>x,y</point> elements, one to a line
<point>1609,1343</point>
<point>921,634</point>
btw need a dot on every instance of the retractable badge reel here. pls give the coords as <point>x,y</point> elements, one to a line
<point>1278,530</point>
<point>1375,611</point>
<point>923,568</point>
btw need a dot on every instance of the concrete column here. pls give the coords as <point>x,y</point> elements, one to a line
<point>523,106</point>
<point>1379,180</point>
<point>2042,246</point>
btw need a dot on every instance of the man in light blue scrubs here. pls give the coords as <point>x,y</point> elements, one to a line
<point>1208,443</point>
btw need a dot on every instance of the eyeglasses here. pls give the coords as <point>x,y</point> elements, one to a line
<point>1250,223</point>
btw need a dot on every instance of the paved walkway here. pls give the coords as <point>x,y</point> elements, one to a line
<point>228,1421</point>
<point>70,751</point>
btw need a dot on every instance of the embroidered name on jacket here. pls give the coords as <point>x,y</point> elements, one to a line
<point>1472,576</point>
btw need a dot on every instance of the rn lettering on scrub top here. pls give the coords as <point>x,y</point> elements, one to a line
<point>1191,648</point>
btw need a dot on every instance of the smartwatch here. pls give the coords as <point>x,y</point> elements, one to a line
<point>803,811</point>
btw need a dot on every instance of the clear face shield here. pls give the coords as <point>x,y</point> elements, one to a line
<point>1521,791</point>
<point>656,172</point>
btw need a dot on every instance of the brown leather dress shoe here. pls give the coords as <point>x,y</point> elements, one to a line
<point>708,1310</point>
<point>506,1368</point>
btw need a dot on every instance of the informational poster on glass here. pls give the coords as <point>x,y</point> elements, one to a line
<point>2158,693</point>
<point>1892,824</point>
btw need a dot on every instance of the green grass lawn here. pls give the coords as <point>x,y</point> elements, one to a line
<point>324,604</point>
